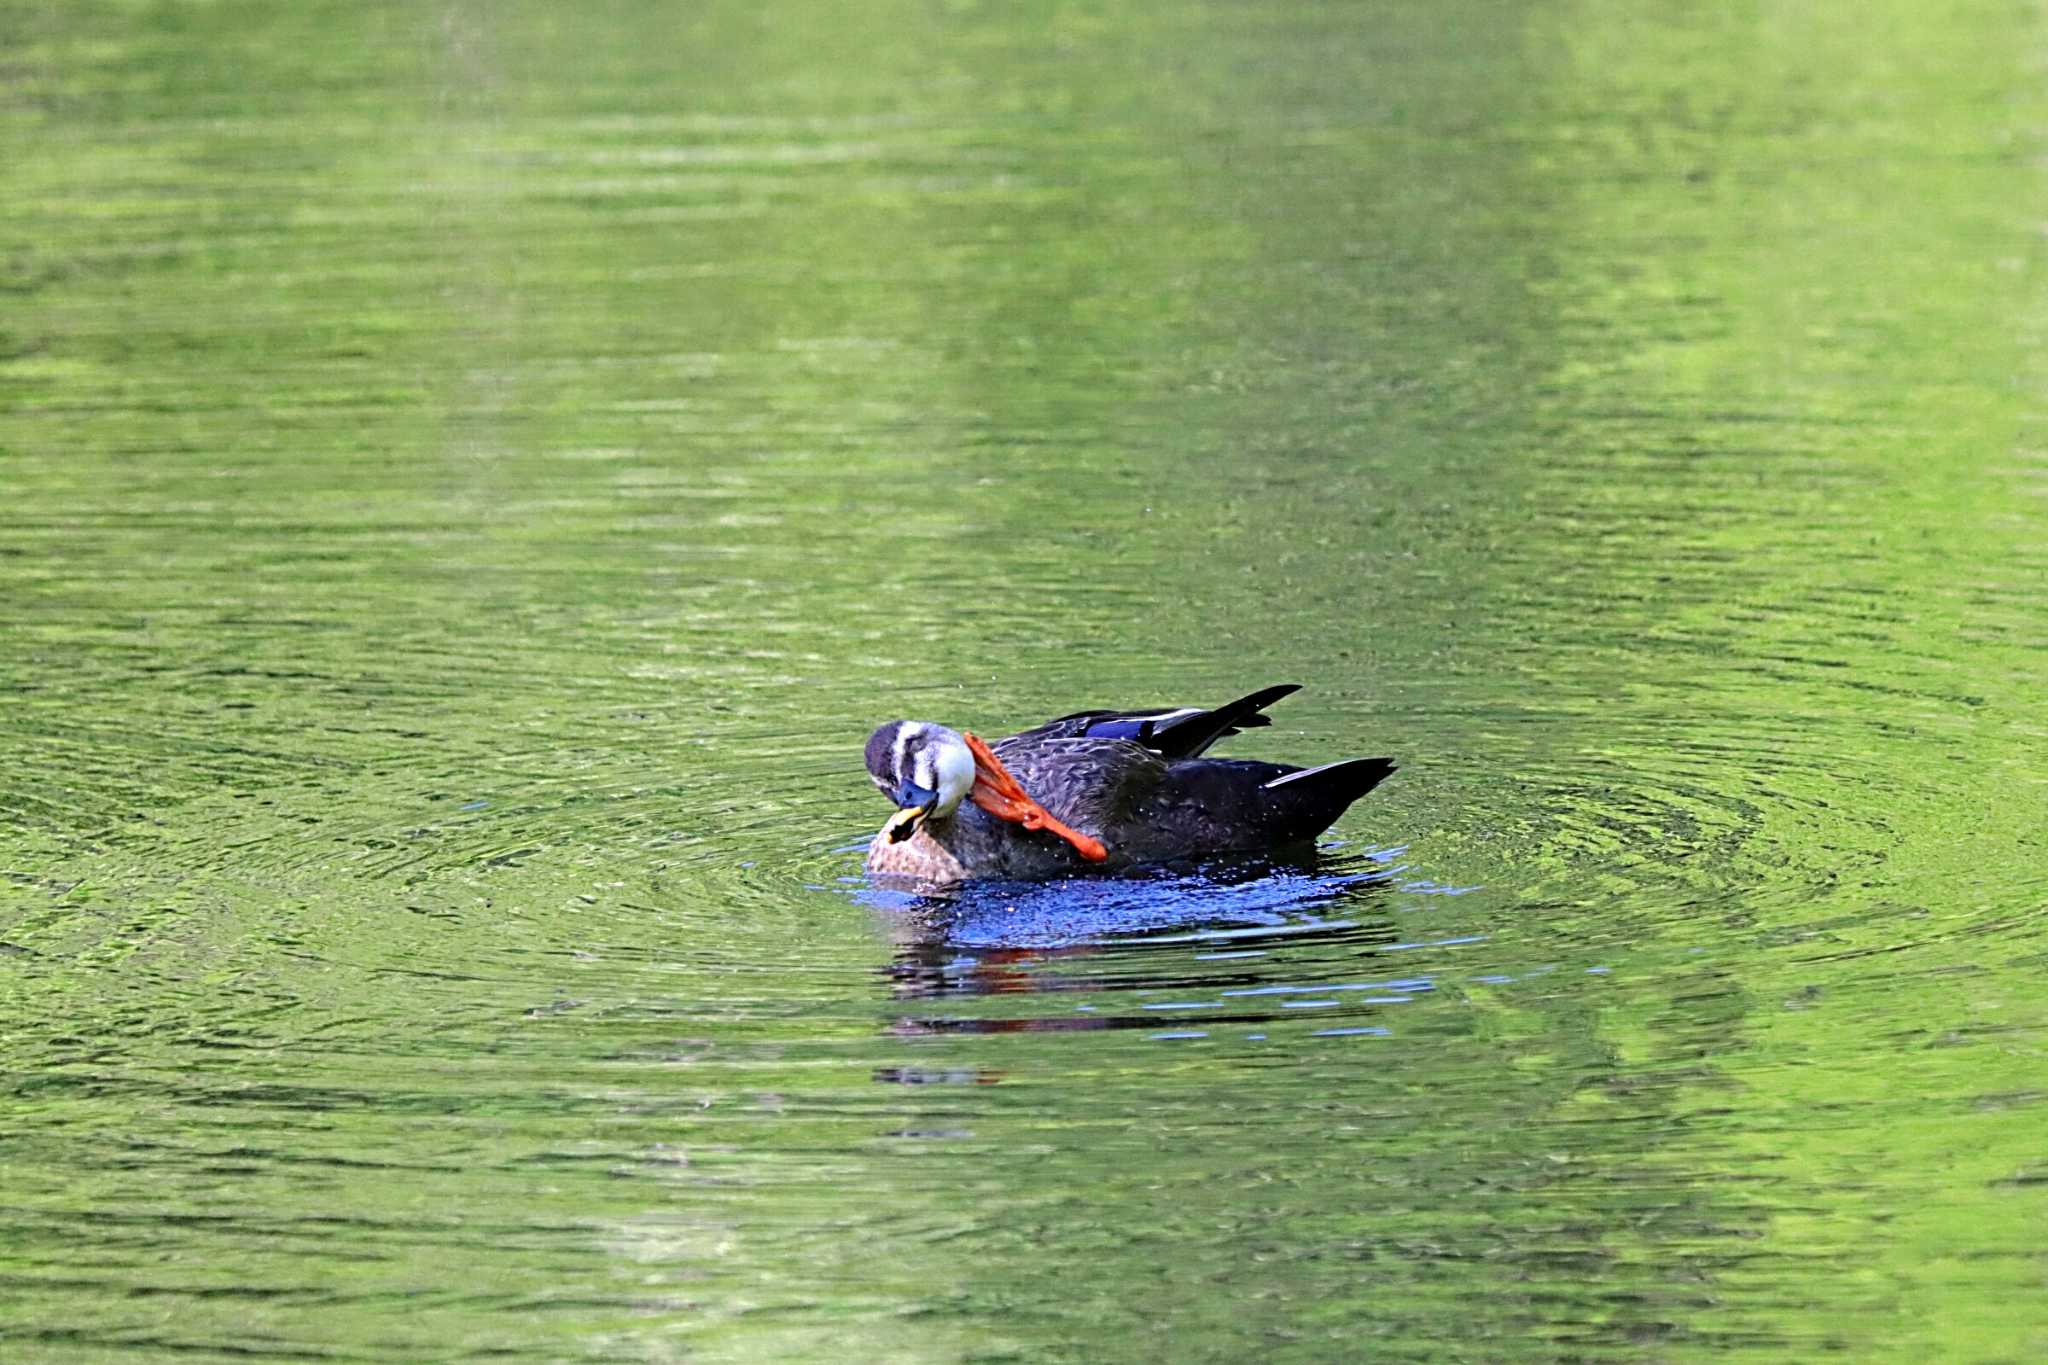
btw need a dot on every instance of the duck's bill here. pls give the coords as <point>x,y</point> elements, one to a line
<point>906,822</point>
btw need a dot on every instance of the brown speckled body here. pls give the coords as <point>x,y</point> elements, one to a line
<point>1135,780</point>
<point>1144,808</point>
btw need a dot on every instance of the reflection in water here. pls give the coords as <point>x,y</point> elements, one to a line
<point>1211,931</point>
<point>1224,894</point>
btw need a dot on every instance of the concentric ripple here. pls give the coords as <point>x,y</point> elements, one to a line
<point>473,475</point>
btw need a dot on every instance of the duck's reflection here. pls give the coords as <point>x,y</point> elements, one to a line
<point>1203,929</point>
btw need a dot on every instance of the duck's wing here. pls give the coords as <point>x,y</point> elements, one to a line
<point>1090,783</point>
<point>1169,731</point>
<point>1144,806</point>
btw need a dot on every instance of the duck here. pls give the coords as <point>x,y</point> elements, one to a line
<point>1095,791</point>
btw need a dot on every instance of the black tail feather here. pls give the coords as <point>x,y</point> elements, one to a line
<point>1304,803</point>
<point>1190,735</point>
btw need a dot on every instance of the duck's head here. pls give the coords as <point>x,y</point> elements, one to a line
<point>926,769</point>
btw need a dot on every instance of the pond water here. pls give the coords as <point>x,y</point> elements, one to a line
<point>472,474</point>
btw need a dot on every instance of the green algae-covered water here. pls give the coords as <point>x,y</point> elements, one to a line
<point>472,474</point>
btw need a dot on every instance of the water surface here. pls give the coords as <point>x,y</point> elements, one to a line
<point>471,475</point>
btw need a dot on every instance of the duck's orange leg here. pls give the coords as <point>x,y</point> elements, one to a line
<point>1002,796</point>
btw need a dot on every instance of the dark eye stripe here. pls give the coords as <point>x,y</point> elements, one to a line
<point>881,754</point>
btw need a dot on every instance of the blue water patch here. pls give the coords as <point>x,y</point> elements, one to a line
<point>1215,906</point>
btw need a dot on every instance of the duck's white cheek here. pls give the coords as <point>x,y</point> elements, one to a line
<point>956,776</point>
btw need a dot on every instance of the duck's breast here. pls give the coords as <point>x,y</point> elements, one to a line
<point>920,856</point>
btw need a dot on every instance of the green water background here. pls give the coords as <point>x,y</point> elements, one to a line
<point>471,475</point>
